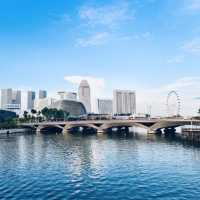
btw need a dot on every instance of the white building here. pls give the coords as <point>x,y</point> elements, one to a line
<point>28,100</point>
<point>6,97</point>
<point>124,102</point>
<point>67,95</point>
<point>105,106</point>
<point>16,97</point>
<point>42,103</point>
<point>85,95</point>
<point>11,100</point>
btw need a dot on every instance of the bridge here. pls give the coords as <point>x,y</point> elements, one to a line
<point>153,126</point>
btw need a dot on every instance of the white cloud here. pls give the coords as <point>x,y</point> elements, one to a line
<point>187,89</point>
<point>94,40</point>
<point>108,16</point>
<point>183,83</point>
<point>97,86</point>
<point>192,46</point>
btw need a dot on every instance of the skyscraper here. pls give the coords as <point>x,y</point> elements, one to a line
<point>42,94</point>
<point>124,102</point>
<point>105,106</point>
<point>28,99</point>
<point>16,97</point>
<point>6,97</point>
<point>11,100</point>
<point>85,95</point>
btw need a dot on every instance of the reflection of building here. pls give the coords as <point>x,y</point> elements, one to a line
<point>28,100</point>
<point>105,106</point>
<point>42,103</point>
<point>84,95</point>
<point>124,102</point>
<point>74,108</point>
<point>11,100</point>
<point>42,94</point>
<point>67,95</point>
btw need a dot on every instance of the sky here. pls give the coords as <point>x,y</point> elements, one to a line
<point>150,46</point>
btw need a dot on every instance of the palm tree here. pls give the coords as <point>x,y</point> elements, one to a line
<point>25,115</point>
<point>33,111</point>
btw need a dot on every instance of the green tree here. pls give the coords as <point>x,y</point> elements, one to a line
<point>25,115</point>
<point>33,111</point>
<point>45,112</point>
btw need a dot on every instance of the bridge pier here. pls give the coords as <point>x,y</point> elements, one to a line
<point>151,132</point>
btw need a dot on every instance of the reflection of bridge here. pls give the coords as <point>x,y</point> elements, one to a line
<point>152,125</point>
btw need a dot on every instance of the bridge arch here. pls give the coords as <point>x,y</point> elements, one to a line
<point>123,124</point>
<point>70,127</point>
<point>167,124</point>
<point>50,128</point>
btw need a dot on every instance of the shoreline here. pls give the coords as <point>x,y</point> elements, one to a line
<point>13,131</point>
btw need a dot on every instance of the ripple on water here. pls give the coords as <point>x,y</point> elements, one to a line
<point>92,167</point>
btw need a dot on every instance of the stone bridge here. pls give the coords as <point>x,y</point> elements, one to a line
<point>151,125</point>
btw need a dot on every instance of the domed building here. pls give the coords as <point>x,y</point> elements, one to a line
<point>74,108</point>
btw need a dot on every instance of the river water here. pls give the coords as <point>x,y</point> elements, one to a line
<point>51,166</point>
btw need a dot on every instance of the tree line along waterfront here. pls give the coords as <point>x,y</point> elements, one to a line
<point>9,120</point>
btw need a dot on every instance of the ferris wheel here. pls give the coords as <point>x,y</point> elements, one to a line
<point>173,104</point>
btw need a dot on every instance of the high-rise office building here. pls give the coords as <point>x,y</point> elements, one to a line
<point>105,106</point>
<point>124,102</point>
<point>6,97</point>
<point>16,97</point>
<point>67,95</point>
<point>85,95</point>
<point>42,94</point>
<point>28,99</point>
<point>31,99</point>
<point>11,100</point>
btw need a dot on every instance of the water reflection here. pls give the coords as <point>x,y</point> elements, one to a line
<point>109,166</point>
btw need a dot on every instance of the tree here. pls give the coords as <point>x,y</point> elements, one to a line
<point>33,111</point>
<point>54,114</point>
<point>25,115</point>
<point>45,112</point>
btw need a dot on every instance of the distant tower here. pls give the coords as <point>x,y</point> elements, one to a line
<point>84,95</point>
<point>42,94</point>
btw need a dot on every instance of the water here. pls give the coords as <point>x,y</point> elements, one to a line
<point>97,167</point>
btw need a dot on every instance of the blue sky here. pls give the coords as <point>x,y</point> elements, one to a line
<point>150,46</point>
